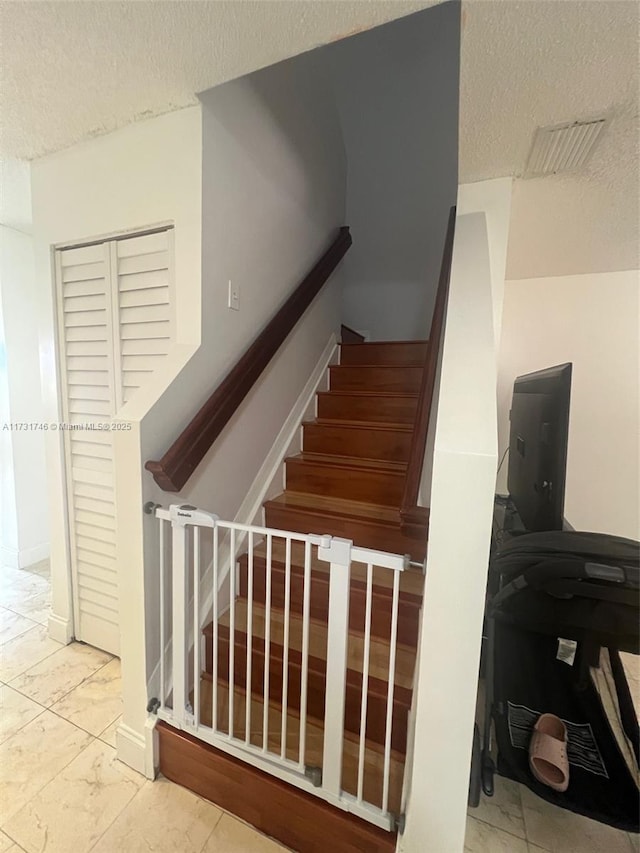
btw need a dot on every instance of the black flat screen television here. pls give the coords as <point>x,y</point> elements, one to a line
<point>538,439</point>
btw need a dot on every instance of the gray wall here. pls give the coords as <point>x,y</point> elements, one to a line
<point>397,93</point>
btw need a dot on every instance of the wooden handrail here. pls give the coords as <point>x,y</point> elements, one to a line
<point>411,514</point>
<point>187,451</point>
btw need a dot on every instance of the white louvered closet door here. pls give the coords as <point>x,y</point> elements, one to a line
<point>114,326</point>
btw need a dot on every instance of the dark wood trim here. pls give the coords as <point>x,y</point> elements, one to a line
<point>187,451</point>
<point>409,509</point>
<point>350,336</point>
<point>298,820</point>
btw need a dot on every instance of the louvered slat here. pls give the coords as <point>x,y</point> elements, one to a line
<point>144,302</point>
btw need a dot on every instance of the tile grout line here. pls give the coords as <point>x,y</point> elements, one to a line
<point>64,695</point>
<point>35,625</point>
<point>24,616</point>
<point>126,806</point>
<point>26,630</point>
<point>35,794</point>
<point>500,828</point>
<point>215,826</point>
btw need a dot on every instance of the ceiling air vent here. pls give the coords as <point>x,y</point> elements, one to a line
<point>562,148</point>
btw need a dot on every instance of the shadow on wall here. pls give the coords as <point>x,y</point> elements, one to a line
<point>296,143</point>
<point>397,92</point>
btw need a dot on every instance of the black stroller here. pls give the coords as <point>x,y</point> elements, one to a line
<point>561,607</point>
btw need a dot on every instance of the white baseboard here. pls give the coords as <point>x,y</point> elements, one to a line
<point>60,629</point>
<point>13,558</point>
<point>139,750</point>
<point>9,557</point>
<point>252,504</point>
<point>29,556</point>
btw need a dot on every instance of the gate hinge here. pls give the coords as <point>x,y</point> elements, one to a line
<point>152,705</point>
<point>314,774</point>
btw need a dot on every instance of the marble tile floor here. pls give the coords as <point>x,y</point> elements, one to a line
<point>515,820</point>
<point>61,787</point>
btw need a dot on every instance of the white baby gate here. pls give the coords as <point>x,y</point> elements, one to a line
<point>200,578</point>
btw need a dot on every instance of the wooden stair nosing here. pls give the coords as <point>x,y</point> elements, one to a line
<point>366,532</point>
<point>370,426</point>
<point>350,463</point>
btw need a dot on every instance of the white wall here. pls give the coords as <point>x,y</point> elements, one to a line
<point>145,174</point>
<point>273,183</point>
<point>592,321</point>
<point>397,91</point>
<point>8,517</point>
<point>461,504</point>
<point>24,534</point>
<point>494,199</point>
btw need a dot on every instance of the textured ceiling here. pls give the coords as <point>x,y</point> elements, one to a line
<point>71,70</point>
<point>531,64</point>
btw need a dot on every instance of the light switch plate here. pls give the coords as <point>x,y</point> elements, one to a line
<point>234,296</point>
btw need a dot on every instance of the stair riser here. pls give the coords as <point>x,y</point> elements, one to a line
<point>297,819</point>
<point>400,353</point>
<point>386,444</point>
<point>376,487</point>
<point>408,608</point>
<point>404,380</point>
<point>377,408</point>
<point>363,533</point>
<point>316,687</point>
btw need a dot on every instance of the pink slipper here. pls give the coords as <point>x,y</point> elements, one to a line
<point>548,752</point>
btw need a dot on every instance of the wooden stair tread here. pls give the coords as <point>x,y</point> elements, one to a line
<point>411,342</point>
<point>355,462</point>
<point>379,649</point>
<point>340,507</point>
<point>378,367</point>
<point>369,425</point>
<point>411,580</point>
<point>341,392</point>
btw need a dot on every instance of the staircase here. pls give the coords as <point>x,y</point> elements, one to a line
<point>348,481</point>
